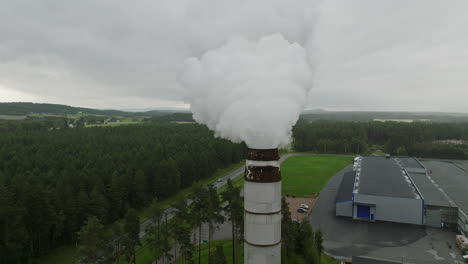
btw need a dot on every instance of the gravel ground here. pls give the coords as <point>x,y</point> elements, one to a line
<point>295,202</point>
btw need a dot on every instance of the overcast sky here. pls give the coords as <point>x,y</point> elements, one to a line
<point>366,55</point>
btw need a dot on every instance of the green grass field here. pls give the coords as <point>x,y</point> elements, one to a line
<point>122,122</point>
<point>11,117</point>
<point>297,173</point>
<point>307,175</point>
<point>66,255</point>
<point>227,248</point>
<point>71,116</point>
<point>144,254</point>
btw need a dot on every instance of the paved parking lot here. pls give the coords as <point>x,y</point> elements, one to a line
<point>344,237</point>
<point>451,179</point>
<point>463,165</point>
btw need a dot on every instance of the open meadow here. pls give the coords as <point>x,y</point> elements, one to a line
<point>307,175</point>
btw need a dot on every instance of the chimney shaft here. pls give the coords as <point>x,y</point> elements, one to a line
<point>262,205</point>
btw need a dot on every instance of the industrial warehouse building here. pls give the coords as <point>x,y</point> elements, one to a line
<point>379,189</point>
<point>397,189</point>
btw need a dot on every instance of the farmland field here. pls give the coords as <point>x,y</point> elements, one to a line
<point>12,117</point>
<point>121,121</point>
<point>306,175</point>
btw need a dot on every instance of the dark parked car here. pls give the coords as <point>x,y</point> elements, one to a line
<point>302,211</point>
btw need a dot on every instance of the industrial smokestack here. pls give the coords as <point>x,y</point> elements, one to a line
<point>262,205</point>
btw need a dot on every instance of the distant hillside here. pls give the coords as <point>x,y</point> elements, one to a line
<point>22,109</point>
<point>13,111</point>
<point>390,116</point>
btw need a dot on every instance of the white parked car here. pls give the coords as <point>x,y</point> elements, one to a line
<point>220,180</point>
<point>305,206</point>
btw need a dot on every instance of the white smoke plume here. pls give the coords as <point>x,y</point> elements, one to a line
<point>250,91</point>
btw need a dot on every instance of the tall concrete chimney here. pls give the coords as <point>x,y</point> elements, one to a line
<point>262,205</point>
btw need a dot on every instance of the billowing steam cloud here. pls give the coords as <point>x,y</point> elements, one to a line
<point>250,90</point>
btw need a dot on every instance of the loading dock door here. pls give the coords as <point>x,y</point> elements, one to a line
<point>433,217</point>
<point>363,211</point>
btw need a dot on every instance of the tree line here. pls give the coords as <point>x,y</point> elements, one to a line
<point>21,109</point>
<point>365,116</point>
<point>53,180</point>
<point>180,238</point>
<point>415,139</point>
<point>299,244</point>
<point>169,240</point>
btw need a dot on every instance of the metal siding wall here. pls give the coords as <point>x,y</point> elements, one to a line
<point>436,215</point>
<point>450,215</point>
<point>344,209</point>
<point>394,209</point>
<point>463,222</point>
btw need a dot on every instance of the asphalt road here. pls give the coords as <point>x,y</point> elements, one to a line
<point>169,212</point>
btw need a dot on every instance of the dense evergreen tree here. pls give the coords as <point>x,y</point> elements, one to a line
<point>219,257</point>
<point>93,242</point>
<point>421,139</point>
<point>165,245</point>
<point>318,241</point>
<point>132,232</point>
<point>53,179</point>
<point>182,233</point>
<point>13,235</point>
<point>305,244</point>
<point>214,215</point>
<point>154,228</point>
<point>199,213</point>
<point>287,232</point>
<point>182,228</point>
<point>299,242</point>
<point>235,212</point>
<point>117,243</point>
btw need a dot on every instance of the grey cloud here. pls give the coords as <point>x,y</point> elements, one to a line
<point>367,55</point>
<point>393,55</point>
<point>134,48</point>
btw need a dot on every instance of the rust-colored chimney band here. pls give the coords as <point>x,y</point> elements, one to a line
<point>265,174</point>
<point>263,154</point>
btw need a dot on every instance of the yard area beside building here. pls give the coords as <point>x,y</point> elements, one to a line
<point>307,175</point>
